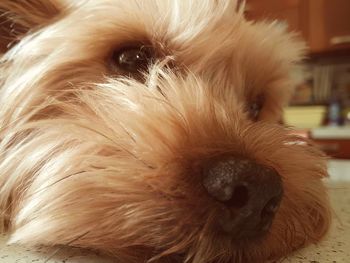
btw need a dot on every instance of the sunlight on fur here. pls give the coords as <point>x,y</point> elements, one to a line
<point>98,155</point>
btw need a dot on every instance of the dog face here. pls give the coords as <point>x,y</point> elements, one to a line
<point>149,130</point>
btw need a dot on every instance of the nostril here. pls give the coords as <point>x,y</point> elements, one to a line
<point>268,212</point>
<point>240,197</point>
<point>271,206</point>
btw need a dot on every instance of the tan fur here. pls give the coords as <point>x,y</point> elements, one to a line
<point>113,164</point>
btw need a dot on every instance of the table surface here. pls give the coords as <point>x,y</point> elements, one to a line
<point>334,249</point>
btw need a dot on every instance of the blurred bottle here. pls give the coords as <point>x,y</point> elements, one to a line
<point>346,116</point>
<point>334,112</point>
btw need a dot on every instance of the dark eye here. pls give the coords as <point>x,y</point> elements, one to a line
<point>133,59</point>
<point>255,107</point>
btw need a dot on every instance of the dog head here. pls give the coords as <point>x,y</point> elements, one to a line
<point>149,130</point>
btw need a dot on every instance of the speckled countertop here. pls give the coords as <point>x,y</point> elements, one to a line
<point>334,249</point>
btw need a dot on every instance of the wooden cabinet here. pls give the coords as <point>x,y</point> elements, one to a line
<point>288,11</point>
<point>329,23</point>
<point>324,24</point>
<point>334,148</point>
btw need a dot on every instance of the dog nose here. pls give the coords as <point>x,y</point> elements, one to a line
<point>250,194</point>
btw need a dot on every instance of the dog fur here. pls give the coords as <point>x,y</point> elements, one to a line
<point>93,158</point>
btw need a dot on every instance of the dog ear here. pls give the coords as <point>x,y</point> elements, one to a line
<point>17,17</point>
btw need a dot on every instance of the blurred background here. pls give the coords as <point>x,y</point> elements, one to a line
<point>320,108</point>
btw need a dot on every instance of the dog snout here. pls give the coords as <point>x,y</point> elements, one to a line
<point>249,194</point>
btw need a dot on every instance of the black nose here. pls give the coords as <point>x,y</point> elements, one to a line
<point>251,194</point>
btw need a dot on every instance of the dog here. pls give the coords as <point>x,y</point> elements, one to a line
<point>150,131</point>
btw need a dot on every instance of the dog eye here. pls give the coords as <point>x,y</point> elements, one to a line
<point>255,107</point>
<point>133,59</point>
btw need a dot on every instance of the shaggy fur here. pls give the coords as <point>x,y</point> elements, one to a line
<point>95,159</point>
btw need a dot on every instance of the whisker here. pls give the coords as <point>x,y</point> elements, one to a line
<point>68,244</point>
